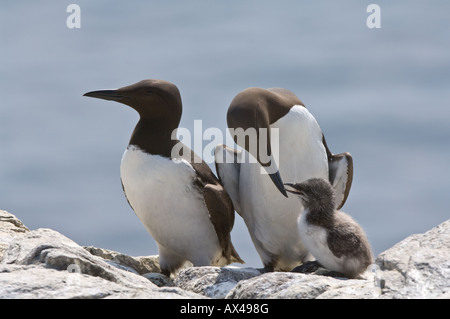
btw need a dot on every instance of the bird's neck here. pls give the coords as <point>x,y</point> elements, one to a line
<point>317,215</point>
<point>155,136</point>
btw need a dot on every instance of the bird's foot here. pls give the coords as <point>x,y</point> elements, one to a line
<point>308,267</point>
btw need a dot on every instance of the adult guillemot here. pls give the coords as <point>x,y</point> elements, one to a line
<point>270,217</point>
<point>176,196</point>
<point>333,237</point>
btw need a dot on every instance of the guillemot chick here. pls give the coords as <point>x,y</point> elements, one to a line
<point>172,191</point>
<point>332,237</point>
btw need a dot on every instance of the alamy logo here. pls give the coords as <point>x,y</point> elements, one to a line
<point>74,19</point>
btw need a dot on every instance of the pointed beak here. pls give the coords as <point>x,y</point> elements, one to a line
<point>276,179</point>
<point>272,170</point>
<point>112,95</point>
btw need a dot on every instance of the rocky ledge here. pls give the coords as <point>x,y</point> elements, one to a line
<point>43,263</point>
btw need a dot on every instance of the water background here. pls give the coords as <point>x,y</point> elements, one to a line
<point>381,94</point>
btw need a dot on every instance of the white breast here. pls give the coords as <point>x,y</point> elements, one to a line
<point>162,194</point>
<point>315,240</point>
<point>270,217</point>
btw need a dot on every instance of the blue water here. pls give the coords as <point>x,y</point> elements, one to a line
<point>381,94</point>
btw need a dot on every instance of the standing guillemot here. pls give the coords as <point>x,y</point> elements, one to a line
<point>333,237</point>
<point>303,154</point>
<point>178,199</point>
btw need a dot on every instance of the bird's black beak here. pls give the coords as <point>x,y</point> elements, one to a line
<point>294,190</point>
<point>276,179</point>
<point>111,95</point>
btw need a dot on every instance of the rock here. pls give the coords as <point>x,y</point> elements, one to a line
<point>10,227</point>
<point>141,265</point>
<point>11,224</point>
<point>53,250</point>
<point>43,263</point>
<point>418,266</point>
<point>36,282</point>
<point>285,285</point>
<point>159,279</point>
<point>213,282</point>
<point>147,266</point>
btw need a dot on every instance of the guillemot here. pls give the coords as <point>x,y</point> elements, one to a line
<point>179,200</point>
<point>270,217</point>
<point>332,237</point>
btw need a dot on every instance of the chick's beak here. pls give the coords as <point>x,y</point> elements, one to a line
<point>292,189</point>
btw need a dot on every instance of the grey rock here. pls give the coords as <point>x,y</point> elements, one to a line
<point>418,266</point>
<point>141,265</point>
<point>11,224</point>
<point>36,282</point>
<point>283,285</point>
<point>213,282</point>
<point>10,227</point>
<point>159,279</point>
<point>147,266</point>
<point>53,250</point>
<point>43,263</point>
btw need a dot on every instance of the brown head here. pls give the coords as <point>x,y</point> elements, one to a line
<point>159,106</point>
<point>316,194</point>
<point>152,99</point>
<point>257,108</point>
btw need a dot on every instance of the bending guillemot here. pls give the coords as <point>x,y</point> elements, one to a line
<point>271,218</point>
<point>176,196</point>
<point>334,238</point>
